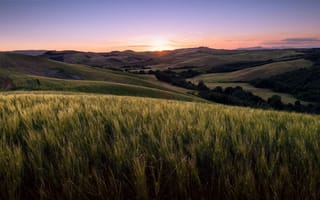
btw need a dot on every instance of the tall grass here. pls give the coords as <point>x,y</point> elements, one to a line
<point>98,147</point>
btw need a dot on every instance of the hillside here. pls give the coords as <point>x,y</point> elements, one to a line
<point>66,146</point>
<point>261,71</point>
<point>22,72</point>
<point>115,59</point>
<point>244,77</point>
<point>244,72</point>
<point>214,67</point>
<point>302,83</point>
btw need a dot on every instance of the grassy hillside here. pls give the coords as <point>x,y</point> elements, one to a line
<point>40,84</point>
<point>21,72</point>
<point>263,71</point>
<point>22,64</point>
<point>95,146</point>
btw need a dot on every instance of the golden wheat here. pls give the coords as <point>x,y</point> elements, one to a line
<point>93,146</point>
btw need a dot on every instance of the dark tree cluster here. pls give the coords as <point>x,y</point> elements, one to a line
<point>230,67</point>
<point>240,97</point>
<point>178,79</point>
<point>233,96</point>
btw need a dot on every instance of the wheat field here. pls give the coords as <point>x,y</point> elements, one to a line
<point>72,146</point>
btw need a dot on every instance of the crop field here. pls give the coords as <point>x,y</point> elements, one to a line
<point>69,146</point>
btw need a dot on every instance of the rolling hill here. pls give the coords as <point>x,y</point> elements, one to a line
<point>244,72</point>
<point>262,71</point>
<point>201,58</point>
<point>303,83</point>
<point>213,66</point>
<point>23,72</point>
<point>245,76</point>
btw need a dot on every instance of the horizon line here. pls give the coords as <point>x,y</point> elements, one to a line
<point>255,48</point>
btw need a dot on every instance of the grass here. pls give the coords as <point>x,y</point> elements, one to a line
<point>96,146</point>
<point>16,66</point>
<point>263,71</point>
<point>31,73</point>
<point>35,83</point>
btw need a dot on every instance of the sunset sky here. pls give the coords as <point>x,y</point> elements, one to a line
<point>102,25</point>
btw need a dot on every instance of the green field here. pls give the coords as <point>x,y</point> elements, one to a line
<point>67,146</point>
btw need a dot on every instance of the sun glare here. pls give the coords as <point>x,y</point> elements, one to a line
<point>160,45</point>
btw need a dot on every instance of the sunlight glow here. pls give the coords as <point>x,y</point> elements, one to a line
<point>160,44</point>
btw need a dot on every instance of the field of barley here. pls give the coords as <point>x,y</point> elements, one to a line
<point>69,146</point>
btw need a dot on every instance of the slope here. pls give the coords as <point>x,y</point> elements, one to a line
<point>262,71</point>
<point>22,72</point>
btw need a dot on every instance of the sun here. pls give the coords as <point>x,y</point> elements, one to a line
<point>160,44</point>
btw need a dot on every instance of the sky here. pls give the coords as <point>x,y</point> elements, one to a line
<point>143,25</point>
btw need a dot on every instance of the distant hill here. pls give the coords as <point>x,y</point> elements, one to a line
<point>201,58</point>
<point>253,48</point>
<point>30,52</point>
<point>115,59</point>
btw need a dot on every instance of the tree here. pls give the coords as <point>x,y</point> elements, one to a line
<point>275,102</point>
<point>202,86</point>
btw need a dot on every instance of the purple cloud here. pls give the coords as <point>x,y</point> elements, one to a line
<point>294,42</point>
